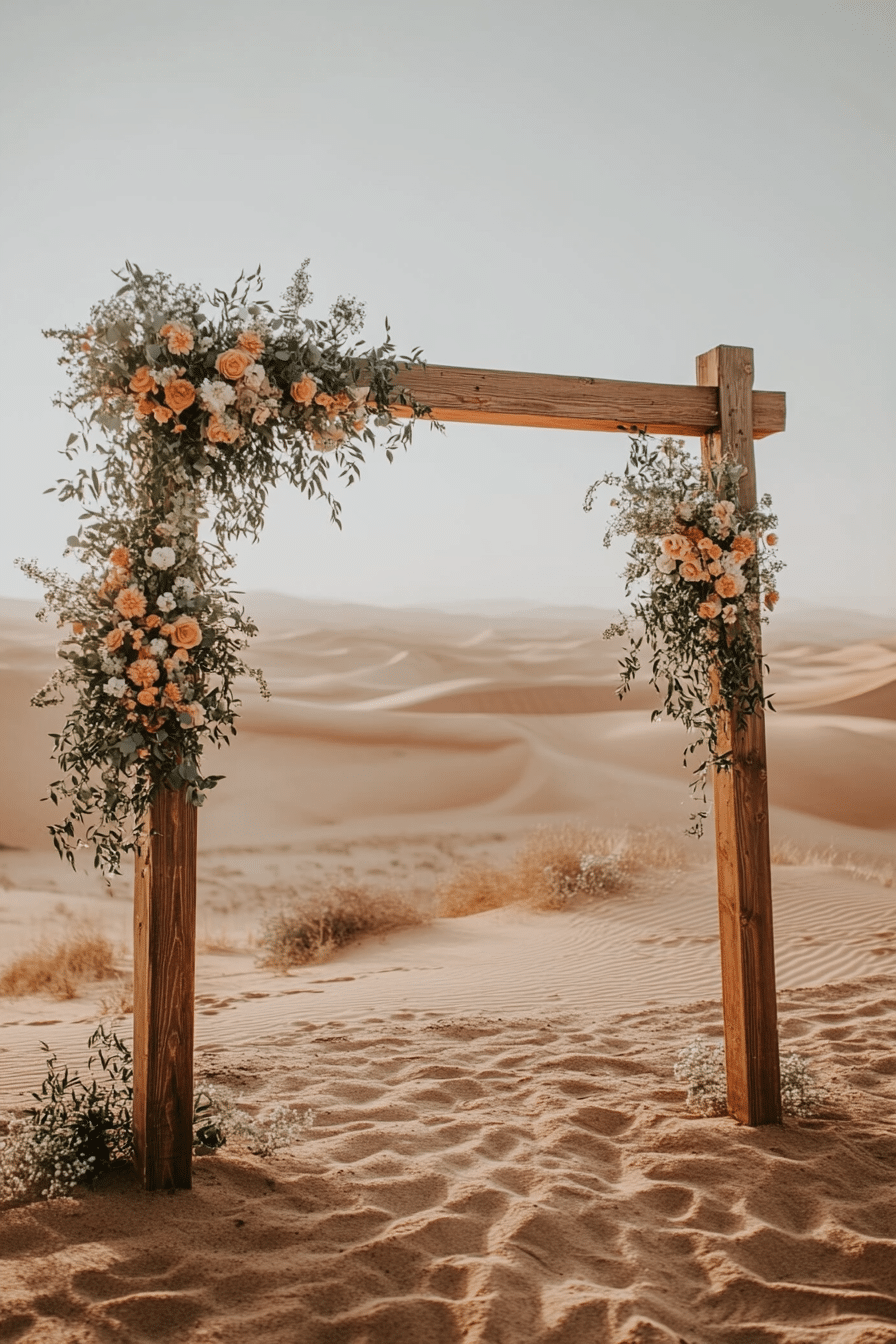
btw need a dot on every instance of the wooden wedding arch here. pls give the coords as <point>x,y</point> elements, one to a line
<point>724,411</point>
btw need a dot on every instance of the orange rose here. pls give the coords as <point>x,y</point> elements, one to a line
<point>152,621</point>
<point>186,633</point>
<point>143,381</point>
<point>233,364</point>
<point>771,599</point>
<point>121,557</point>
<point>303,391</point>
<point>130,603</point>
<point>743,545</point>
<point>324,399</point>
<point>144,672</point>
<point>710,608</point>
<point>144,407</point>
<point>709,548</point>
<point>771,539</point>
<point>114,639</point>
<point>180,394</point>
<point>725,586</point>
<point>219,432</point>
<point>693,571</point>
<point>161,414</point>
<point>251,341</point>
<point>178,336</point>
<point>147,696</point>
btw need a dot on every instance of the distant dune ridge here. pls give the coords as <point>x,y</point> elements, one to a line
<point>501,1153</point>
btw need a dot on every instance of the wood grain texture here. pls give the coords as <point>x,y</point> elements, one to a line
<point>164,988</point>
<point>741,816</point>
<point>556,401</point>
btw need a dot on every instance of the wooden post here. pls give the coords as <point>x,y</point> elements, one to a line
<point>741,813</point>
<point>164,986</point>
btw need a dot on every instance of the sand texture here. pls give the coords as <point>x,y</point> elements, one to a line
<point>500,1152</point>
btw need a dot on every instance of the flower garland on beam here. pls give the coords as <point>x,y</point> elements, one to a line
<point>199,404</point>
<point>703,570</point>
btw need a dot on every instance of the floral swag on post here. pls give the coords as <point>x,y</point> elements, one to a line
<point>704,568</point>
<point>201,404</point>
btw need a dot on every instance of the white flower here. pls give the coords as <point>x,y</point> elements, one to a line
<point>166,602</point>
<point>254,377</point>
<point>184,587</point>
<point>111,666</point>
<point>159,647</point>
<point>115,686</point>
<point>729,614</point>
<point>205,343</point>
<point>666,564</point>
<point>168,374</point>
<point>163,557</point>
<point>216,395</point>
<point>731,561</point>
<point>211,449</point>
<point>685,510</point>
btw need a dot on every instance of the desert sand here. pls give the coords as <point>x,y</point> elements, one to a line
<point>500,1151</point>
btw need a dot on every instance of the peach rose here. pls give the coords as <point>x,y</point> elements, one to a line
<point>114,639</point>
<point>130,603</point>
<point>179,337</point>
<point>329,403</point>
<point>143,381</point>
<point>726,586</point>
<point>120,557</point>
<point>693,571</point>
<point>161,414</point>
<point>715,568</point>
<point>186,633</point>
<point>710,608</point>
<point>144,672</point>
<point>180,394</point>
<point>144,407</point>
<point>195,711</point>
<point>219,432</point>
<point>709,548</point>
<point>251,341</point>
<point>233,364</point>
<point>743,545</point>
<point>303,391</point>
<point>675,545</point>
<point>152,621</point>
<point>172,693</point>
<point>147,696</point>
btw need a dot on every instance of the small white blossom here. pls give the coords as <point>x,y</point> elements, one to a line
<point>111,666</point>
<point>168,374</point>
<point>729,614</point>
<point>163,557</point>
<point>159,647</point>
<point>115,686</point>
<point>166,602</point>
<point>205,344</point>
<point>216,395</point>
<point>184,587</point>
<point>254,377</point>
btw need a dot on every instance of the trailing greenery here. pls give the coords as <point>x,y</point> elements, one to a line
<point>701,569</point>
<point>191,408</point>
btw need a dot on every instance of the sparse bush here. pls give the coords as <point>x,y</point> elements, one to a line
<point>788,853</point>
<point>78,1129</point>
<point>702,1066</point>
<point>60,969</point>
<point>319,925</point>
<point>558,865</point>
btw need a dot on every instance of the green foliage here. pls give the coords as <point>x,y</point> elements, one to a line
<point>191,409</point>
<point>700,567</point>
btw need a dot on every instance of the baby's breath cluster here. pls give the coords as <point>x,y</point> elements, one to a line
<point>702,571</point>
<point>191,408</point>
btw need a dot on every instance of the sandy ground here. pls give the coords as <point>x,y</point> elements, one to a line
<point>500,1151</point>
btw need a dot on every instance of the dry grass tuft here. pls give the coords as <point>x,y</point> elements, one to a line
<point>558,866</point>
<point>60,969</point>
<point>319,925</point>
<point>789,854</point>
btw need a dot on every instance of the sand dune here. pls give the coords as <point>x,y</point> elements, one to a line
<point>500,1154</point>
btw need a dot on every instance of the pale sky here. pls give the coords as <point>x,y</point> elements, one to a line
<point>587,187</point>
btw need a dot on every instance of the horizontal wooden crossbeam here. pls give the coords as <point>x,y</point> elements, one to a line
<point>556,401</point>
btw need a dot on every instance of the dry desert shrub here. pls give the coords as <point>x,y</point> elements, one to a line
<point>559,865</point>
<point>60,969</point>
<point>316,927</point>
<point>789,854</point>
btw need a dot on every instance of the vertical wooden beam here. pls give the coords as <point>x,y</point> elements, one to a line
<point>164,987</point>
<point>741,812</point>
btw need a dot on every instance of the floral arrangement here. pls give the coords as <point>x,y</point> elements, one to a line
<point>191,408</point>
<point>703,569</point>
